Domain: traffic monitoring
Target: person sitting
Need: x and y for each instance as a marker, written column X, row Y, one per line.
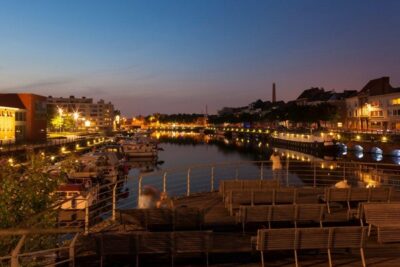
column 165, row 202
column 342, row 184
column 147, row 199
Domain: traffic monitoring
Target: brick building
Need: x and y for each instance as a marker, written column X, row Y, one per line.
column 23, row 117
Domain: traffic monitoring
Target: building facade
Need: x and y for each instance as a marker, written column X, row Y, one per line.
column 375, row 107
column 23, row 117
column 98, row 116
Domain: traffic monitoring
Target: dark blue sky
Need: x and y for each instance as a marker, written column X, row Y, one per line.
column 178, row 56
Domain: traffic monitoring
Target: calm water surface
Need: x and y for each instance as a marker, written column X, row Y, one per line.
column 182, row 150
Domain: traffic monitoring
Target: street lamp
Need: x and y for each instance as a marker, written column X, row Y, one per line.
column 87, row 124
column 60, row 113
column 76, row 118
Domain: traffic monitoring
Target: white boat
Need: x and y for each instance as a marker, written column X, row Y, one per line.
column 77, row 196
column 139, row 150
column 98, row 164
column 321, row 141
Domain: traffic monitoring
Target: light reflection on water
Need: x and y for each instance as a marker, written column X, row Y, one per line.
column 180, row 150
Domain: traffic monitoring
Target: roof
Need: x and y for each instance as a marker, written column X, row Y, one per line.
column 11, row 100
column 311, row 93
column 70, row 187
column 380, row 86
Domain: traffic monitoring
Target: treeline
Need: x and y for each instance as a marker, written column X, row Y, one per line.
column 291, row 112
column 175, row 118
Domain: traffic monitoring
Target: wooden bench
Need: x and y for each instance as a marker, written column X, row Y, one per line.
column 349, row 195
column 283, row 195
column 309, row 195
column 311, row 238
column 385, row 217
column 246, row 185
column 152, row 243
column 179, row 218
column 191, row 242
column 238, row 198
column 116, row 245
column 281, row 213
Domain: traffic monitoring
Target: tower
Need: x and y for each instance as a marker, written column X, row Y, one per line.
column 273, row 93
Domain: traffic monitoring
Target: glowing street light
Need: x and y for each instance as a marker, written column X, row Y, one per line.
column 76, row 115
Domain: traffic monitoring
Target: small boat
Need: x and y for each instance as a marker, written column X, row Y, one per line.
column 77, row 196
column 101, row 164
column 139, row 149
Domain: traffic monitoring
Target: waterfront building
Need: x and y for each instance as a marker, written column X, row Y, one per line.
column 86, row 113
column 375, row 107
column 23, row 117
column 316, row 96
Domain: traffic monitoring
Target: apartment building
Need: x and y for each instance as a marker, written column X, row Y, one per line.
column 375, row 107
column 23, row 117
column 89, row 114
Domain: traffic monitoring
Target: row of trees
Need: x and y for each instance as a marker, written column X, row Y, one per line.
column 65, row 122
column 304, row 114
column 174, row 118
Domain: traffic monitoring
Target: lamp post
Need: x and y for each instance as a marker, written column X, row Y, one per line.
column 76, row 118
column 60, row 113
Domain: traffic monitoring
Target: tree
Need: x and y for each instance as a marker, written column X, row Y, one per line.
column 69, row 123
column 57, row 122
column 26, row 198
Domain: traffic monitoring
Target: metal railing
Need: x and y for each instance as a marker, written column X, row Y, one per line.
column 183, row 182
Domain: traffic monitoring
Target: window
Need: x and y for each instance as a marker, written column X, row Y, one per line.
column 396, row 101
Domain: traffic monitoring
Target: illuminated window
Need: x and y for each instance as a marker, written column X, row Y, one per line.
column 396, row 101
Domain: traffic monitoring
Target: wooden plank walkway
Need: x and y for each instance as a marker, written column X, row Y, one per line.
column 216, row 213
column 235, row 249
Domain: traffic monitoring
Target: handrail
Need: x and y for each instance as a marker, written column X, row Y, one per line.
column 198, row 178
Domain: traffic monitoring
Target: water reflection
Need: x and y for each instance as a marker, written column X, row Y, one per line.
column 377, row 157
column 186, row 149
column 359, row 154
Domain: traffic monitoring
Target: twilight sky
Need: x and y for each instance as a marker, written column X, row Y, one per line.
column 173, row 56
